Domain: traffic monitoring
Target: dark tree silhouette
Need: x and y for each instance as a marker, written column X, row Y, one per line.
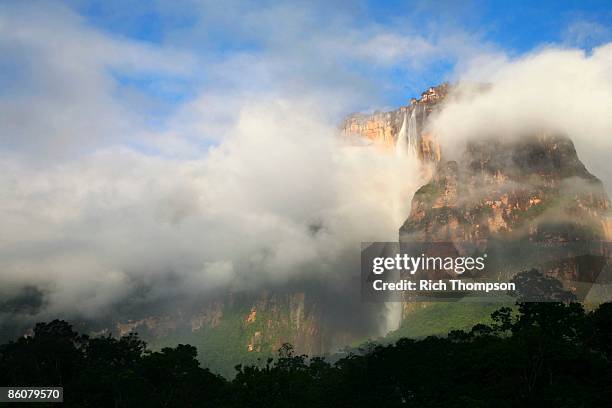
column 551, row 354
column 533, row 286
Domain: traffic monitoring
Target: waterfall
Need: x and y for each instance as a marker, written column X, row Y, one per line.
column 412, row 137
column 400, row 144
column 393, row 317
column 407, row 138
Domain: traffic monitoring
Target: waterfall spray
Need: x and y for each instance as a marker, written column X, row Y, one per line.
column 412, row 136
column 406, row 149
column 400, row 144
column 408, row 136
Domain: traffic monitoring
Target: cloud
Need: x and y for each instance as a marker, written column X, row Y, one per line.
column 278, row 201
column 586, row 34
column 59, row 94
column 563, row 90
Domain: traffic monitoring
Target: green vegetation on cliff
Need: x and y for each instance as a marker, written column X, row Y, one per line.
column 434, row 319
column 226, row 343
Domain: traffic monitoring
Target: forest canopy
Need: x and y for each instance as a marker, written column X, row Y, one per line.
column 537, row 354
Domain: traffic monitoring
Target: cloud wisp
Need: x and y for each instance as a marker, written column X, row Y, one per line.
column 553, row 89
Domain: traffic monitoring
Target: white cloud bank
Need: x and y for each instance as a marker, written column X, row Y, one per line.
column 277, row 200
column 563, row 90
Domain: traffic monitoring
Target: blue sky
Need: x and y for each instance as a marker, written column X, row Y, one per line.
column 141, row 67
column 515, row 27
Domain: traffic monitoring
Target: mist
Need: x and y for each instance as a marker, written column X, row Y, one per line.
column 280, row 200
column 557, row 90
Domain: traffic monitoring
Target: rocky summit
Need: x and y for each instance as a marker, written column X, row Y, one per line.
column 512, row 189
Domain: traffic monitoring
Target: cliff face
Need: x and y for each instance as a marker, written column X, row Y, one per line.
column 511, row 195
column 384, row 129
column 523, row 187
column 533, row 187
column 241, row 328
column 529, row 200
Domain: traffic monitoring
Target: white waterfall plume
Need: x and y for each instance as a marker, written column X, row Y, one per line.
column 400, row 144
column 393, row 317
column 412, row 135
column 407, row 138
